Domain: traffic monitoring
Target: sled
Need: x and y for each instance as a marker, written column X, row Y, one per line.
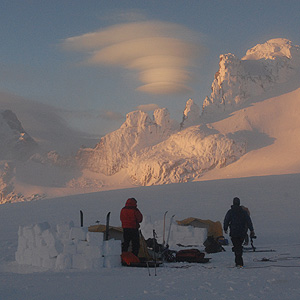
column 143, row 264
column 192, row 256
column 128, row 259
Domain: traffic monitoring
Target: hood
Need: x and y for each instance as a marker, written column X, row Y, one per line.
column 236, row 207
column 131, row 202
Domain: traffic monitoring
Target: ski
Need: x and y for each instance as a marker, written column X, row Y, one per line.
column 171, row 221
column 107, row 227
column 154, row 250
column 81, row 218
column 164, row 229
column 254, row 251
column 263, row 267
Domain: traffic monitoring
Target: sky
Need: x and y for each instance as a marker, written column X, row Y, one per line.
column 91, row 62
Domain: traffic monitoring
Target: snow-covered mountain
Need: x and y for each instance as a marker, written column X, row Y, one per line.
column 16, row 144
column 240, row 80
column 249, row 126
column 116, row 149
column 154, row 152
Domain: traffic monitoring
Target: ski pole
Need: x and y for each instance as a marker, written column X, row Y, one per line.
column 254, row 248
column 144, row 248
column 147, row 263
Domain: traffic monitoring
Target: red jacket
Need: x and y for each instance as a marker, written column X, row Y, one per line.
column 130, row 216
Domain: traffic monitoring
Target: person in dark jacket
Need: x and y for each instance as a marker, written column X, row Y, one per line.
column 131, row 218
column 238, row 220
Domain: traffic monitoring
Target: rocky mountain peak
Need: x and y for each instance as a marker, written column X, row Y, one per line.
column 16, row 143
column 239, row 80
column 191, row 114
column 273, row 49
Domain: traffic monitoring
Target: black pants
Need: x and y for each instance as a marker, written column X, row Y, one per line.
column 131, row 235
column 238, row 250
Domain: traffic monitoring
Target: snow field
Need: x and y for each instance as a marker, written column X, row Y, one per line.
column 65, row 247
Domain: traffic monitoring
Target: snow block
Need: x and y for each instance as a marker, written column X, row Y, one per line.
column 63, row 230
column 69, row 247
column 63, row 261
column 79, row 261
column 28, row 234
column 39, row 228
column 200, row 235
column 78, row 233
column 178, row 235
column 43, row 252
column 55, row 249
column 93, row 252
column 49, row 236
column 81, row 247
column 112, row 247
column 19, row 257
column 20, row 231
column 27, row 257
column 36, row 260
column 49, row 263
column 112, row 261
column 95, row 238
column 95, row 263
column 65, row 247
column 39, row 241
column 22, row 243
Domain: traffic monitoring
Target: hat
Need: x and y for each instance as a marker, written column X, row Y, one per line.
column 131, row 202
column 236, row 201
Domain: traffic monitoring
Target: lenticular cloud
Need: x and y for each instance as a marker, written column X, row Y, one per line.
column 162, row 53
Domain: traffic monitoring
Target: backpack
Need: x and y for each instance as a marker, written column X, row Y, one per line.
column 154, row 245
column 212, row 245
column 190, row 255
column 169, row 255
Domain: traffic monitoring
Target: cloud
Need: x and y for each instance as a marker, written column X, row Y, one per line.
column 132, row 15
column 111, row 115
column 162, row 53
column 93, row 114
column 147, row 107
column 46, row 124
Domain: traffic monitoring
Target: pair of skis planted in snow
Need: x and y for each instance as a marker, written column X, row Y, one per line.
column 106, row 226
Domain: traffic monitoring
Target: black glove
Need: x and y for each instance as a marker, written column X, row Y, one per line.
column 252, row 234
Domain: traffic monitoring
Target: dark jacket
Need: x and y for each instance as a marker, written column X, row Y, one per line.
column 238, row 220
column 130, row 216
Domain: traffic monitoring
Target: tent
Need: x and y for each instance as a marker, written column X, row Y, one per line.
column 213, row 228
column 113, row 233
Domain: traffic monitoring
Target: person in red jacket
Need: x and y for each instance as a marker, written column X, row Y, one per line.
column 131, row 218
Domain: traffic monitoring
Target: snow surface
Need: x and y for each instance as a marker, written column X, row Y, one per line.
column 272, row 200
